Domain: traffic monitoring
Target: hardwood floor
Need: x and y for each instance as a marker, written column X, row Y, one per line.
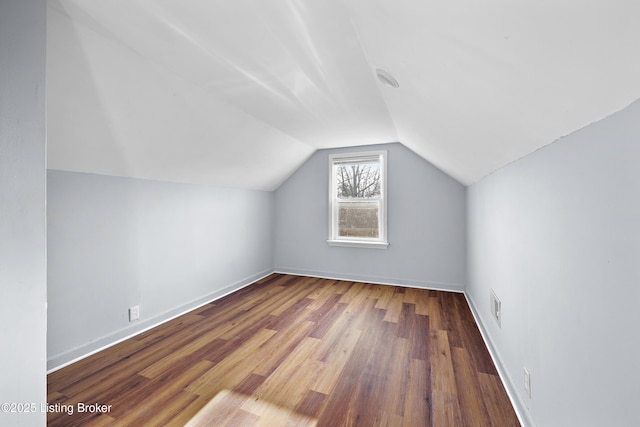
column 296, row 351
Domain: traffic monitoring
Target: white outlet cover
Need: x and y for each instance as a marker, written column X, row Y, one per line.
column 134, row 313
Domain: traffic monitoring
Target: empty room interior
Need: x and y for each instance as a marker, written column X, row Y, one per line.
column 329, row 213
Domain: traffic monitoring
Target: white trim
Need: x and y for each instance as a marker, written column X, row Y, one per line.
column 524, row 416
column 359, row 244
column 334, row 240
column 83, row 351
column 418, row 284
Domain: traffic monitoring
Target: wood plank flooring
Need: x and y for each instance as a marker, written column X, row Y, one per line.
column 295, row 351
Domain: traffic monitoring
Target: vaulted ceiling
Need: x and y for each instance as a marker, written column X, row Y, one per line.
column 240, row 93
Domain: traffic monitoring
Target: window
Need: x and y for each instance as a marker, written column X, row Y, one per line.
column 357, row 199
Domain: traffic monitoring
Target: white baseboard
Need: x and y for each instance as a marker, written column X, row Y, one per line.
column 68, row 357
column 436, row 286
column 516, row 400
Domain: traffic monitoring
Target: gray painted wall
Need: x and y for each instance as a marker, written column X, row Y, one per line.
column 426, row 211
column 23, row 309
column 118, row 242
column 557, row 235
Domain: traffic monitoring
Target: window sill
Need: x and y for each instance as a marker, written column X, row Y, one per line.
column 358, row 244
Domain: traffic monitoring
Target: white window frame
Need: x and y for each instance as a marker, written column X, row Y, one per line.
column 334, row 239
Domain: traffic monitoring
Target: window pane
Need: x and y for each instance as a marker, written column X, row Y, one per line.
column 358, row 180
column 358, row 219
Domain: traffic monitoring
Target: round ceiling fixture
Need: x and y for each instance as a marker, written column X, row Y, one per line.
column 387, row 78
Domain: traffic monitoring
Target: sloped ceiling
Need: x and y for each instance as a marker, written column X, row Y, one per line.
column 240, row 93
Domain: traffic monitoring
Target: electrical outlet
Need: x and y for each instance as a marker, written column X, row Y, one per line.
column 134, row 313
column 496, row 308
column 527, row 382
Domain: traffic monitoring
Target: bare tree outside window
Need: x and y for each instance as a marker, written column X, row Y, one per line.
column 361, row 180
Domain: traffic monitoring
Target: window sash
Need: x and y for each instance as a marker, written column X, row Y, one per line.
column 358, row 208
column 336, row 238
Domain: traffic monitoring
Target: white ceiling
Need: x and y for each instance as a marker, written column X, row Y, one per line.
column 240, row 93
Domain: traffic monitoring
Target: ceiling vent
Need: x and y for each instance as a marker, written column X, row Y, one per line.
column 387, row 78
